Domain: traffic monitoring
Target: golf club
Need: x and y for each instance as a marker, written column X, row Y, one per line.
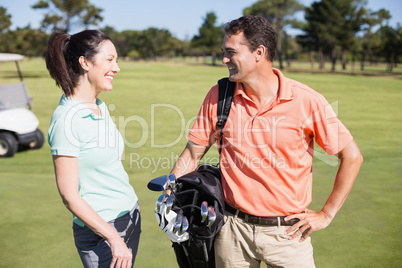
column 184, row 225
column 211, row 216
column 169, row 204
column 172, row 181
column 159, row 202
column 177, row 225
column 204, row 211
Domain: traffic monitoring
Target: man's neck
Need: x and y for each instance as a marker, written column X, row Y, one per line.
column 262, row 88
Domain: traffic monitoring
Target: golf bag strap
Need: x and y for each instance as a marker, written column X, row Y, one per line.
column 226, row 92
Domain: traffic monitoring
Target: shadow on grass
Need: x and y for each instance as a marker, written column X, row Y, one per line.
column 25, row 74
column 397, row 74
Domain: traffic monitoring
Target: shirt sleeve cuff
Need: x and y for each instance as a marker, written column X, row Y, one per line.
column 196, row 140
column 342, row 144
column 64, row 152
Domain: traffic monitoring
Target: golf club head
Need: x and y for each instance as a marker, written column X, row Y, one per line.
column 184, row 226
column 159, row 184
column 177, row 225
column 169, row 204
column 204, row 211
column 172, row 181
column 159, row 202
column 211, row 216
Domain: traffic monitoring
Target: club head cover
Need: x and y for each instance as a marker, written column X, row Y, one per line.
column 160, row 183
column 167, row 222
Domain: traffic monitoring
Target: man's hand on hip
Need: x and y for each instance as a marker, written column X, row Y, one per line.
column 310, row 221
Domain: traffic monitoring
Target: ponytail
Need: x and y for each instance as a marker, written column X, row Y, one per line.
column 56, row 62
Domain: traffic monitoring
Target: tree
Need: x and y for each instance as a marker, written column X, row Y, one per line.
column 315, row 25
column 290, row 48
column 383, row 15
column 332, row 25
column 158, row 42
column 370, row 41
column 5, row 20
column 278, row 12
column 25, row 41
column 353, row 14
column 151, row 43
column 210, row 37
column 65, row 15
column 391, row 42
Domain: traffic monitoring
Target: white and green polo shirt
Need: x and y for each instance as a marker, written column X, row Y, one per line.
column 103, row 183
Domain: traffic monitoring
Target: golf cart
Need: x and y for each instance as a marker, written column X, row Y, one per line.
column 18, row 124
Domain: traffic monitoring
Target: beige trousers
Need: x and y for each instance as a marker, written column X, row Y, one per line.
column 241, row 244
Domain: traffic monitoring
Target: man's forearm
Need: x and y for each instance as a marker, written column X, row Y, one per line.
column 312, row 221
column 184, row 165
column 189, row 159
column 351, row 160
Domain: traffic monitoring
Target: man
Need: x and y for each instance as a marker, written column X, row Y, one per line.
column 267, row 154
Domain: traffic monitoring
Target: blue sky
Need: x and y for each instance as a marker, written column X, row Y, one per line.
column 181, row 17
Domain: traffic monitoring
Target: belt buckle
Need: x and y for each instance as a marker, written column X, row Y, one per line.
column 246, row 218
column 259, row 220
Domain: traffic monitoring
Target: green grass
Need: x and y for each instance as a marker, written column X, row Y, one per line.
column 35, row 228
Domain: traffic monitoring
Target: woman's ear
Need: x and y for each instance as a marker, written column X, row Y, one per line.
column 84, row 63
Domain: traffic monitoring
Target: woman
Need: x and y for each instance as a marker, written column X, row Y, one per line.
column 86, row 148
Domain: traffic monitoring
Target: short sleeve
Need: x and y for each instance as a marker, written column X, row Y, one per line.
column 62, row 136
column 202, row 132
column 329, row 132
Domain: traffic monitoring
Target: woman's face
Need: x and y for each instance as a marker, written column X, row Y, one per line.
column 103, row 67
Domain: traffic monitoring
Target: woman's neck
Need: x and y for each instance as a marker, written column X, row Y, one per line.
column 87, row 98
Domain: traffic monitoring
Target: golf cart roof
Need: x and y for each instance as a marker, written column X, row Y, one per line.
column 10, row 57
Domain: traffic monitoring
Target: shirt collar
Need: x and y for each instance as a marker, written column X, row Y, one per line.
column 82, row 110
column 285, row 87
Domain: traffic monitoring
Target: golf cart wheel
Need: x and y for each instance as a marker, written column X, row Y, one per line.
column 39, row 140
column 8, row 144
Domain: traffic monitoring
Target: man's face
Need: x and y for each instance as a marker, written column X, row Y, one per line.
column 238, row 57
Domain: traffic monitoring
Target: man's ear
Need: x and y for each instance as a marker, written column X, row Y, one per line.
column 260, row 52
column 84, row 63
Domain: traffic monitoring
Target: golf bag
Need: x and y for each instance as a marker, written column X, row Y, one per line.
column 192, row 189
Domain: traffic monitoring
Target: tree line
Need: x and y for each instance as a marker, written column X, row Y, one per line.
column 344, row 31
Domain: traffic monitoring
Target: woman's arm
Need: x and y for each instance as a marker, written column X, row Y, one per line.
column 66, row 171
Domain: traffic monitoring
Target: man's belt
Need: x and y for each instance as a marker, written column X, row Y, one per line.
column 269, row 221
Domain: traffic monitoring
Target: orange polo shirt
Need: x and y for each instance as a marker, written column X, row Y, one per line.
column 267, row 154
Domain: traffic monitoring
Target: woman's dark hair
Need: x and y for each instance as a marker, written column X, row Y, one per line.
column 257, row 31
column 63, row 53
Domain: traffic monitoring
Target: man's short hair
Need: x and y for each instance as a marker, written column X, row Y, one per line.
column 257, row 31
